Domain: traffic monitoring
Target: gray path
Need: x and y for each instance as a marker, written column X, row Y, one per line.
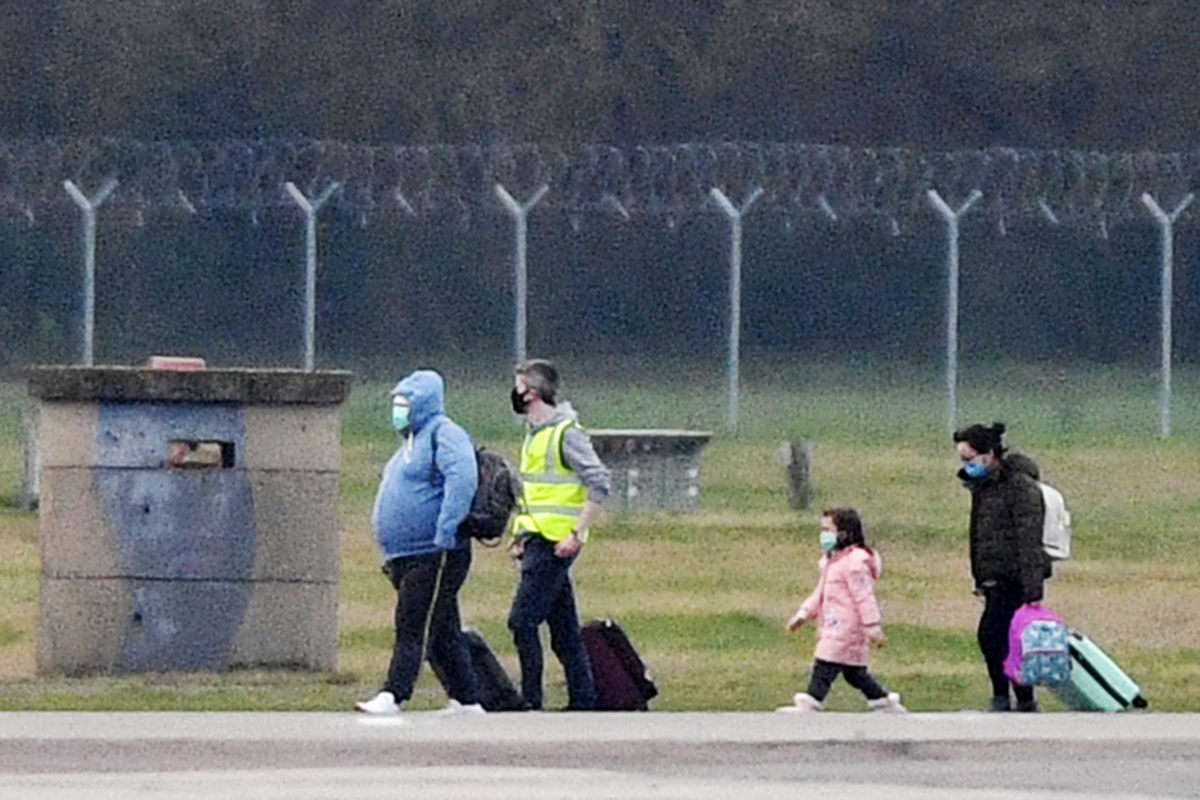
column 206, row 756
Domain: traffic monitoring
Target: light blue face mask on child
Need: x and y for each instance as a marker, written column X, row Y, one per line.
column 828, row 540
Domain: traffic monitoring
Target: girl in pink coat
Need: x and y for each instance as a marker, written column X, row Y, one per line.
column 849, row 622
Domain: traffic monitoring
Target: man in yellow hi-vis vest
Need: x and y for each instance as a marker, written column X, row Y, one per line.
column 564, row 485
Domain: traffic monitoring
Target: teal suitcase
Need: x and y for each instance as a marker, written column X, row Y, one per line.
column 1096, row 683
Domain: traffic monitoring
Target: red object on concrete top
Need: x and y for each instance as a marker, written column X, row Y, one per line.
column 177, row 363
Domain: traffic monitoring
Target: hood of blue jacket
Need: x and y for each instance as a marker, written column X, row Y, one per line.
column 427, row 485
column 426, row 392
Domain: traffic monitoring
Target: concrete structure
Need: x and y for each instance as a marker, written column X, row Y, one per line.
column 188, row 519
column 652, row 470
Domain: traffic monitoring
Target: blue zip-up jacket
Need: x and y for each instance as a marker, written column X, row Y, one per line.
column 419, row 507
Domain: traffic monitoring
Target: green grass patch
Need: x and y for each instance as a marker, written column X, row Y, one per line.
column 724, row 632
column 236, row 691
column 10, row 635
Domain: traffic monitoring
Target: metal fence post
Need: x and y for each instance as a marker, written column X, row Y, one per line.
column 520, row 214
column 88, row 206
column 310, row 209
column 952, row 217
column 1166, row 223
column 735, row 216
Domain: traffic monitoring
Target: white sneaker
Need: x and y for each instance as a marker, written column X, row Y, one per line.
column 457, row 709
column 802, row 703
column 381, row 704
column 887, row 705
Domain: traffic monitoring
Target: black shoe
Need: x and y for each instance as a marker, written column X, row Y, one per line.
column 1028, row 706
column 1000, row 703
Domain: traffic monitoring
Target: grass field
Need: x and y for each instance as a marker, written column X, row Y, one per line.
column 705, row 595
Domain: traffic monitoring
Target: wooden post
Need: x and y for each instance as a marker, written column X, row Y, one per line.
column 799, row 463
column 31, row 466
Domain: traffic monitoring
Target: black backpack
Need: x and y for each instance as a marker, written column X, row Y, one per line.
column 496, row 498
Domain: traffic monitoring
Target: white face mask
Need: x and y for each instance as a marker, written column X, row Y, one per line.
column 828, row 540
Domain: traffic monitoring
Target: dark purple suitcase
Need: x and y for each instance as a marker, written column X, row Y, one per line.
column 622, row 681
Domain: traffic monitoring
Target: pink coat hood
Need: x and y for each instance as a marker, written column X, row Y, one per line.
column 843, row 604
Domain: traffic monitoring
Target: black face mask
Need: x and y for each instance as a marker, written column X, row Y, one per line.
column 519, row 403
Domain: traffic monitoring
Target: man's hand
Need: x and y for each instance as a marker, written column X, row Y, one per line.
column 568, row 546
column 516, row 549
column 798, row 619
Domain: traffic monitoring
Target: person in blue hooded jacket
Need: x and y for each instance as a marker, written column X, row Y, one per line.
column 423, row 496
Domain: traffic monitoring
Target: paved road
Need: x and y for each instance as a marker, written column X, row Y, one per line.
column 659, row 756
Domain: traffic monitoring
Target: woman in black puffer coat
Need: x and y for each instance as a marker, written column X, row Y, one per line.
column 1008, row 562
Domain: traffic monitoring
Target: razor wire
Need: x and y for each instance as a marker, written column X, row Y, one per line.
column 799, row 183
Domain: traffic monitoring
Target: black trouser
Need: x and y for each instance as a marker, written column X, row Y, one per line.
column 446, row 644
column 1000, row 601
column 824, row 673
column 427, row 605
column 545, row 595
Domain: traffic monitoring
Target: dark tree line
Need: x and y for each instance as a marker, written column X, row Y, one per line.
column 916, row 73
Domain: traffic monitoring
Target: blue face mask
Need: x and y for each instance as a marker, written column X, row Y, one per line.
column 828, row 540
column 974, row 470
column 400, row 413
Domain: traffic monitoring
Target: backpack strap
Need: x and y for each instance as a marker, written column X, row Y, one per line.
column 433, row 470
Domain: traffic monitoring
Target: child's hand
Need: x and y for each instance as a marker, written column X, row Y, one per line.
column 875, row 636
column 796, row 621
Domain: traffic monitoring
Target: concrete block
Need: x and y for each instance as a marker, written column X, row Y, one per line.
column 237, row 386
column 652, row 470
column 80, row 622
column 77, row 539
column 293, row 437
column 289, row 625
column 142, row 435
column 68, row 433
column 178, row 524
column 296, row 529
column 93, row 626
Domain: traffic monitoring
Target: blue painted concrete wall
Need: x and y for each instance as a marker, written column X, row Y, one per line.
column 185, row 538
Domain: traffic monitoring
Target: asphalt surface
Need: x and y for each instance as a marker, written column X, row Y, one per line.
column 306, row 756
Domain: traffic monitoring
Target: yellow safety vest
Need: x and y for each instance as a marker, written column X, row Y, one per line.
column 553, row 494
